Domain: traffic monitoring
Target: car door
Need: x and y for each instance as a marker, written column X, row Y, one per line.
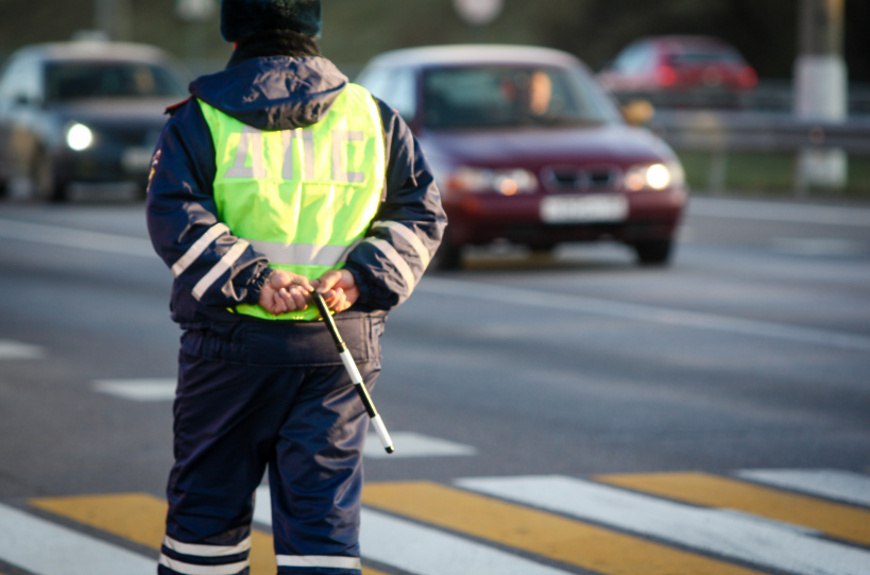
column 20, row 103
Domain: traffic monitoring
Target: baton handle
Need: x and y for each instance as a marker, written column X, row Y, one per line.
column 353, row 371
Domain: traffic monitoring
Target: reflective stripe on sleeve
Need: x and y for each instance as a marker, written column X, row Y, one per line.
column 397, row 260
column 409, row 236
column 332, row 561
column 193, row 569
column 198, row 247
column 225, row 264
column 207, row 550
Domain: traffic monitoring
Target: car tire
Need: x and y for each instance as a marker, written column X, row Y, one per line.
column 654, row 252
column 447, row 258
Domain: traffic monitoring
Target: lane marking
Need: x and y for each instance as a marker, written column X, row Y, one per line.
column 424, row 528
column 557, row 538
column 815, row 247
column 642, row 313
column 142, row 389
column 426, row 551
column 75, row 238
column 410, row 444
column 43, row 548
column 780, row 212
column 137, row 517
column 422, row 550
column 140, row 518
column 127, row 245
column 723, row 533
column 834, row 519
column 831, row 483
column 10, row 349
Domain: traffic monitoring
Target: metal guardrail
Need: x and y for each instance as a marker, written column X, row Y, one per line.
column 725, row 134
column 715, row 131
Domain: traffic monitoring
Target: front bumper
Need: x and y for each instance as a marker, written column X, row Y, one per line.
column 477, row 219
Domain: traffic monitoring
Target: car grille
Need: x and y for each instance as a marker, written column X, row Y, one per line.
column 133, row 135
column 574, row 179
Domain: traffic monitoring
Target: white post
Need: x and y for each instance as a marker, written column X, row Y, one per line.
column 821, row 88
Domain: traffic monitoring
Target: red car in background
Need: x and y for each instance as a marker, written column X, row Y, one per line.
column 680, row 71
column 527, row 148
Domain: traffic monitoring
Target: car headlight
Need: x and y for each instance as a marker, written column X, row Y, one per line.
column 508, row 182
column 79, row 137
column 656, row 176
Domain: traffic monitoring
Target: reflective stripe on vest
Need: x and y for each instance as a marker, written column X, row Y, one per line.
column 301, row 197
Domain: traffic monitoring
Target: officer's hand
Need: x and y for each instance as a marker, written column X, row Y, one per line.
column 285, row 292
column 338, row 289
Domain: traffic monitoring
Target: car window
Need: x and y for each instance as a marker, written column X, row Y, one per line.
column 464, row 97
column 20, row 80
column 393, row 85
column 634, row 60
column 702, row 57
column 76, row 80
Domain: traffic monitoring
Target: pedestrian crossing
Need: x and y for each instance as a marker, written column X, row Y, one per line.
column 793, row 521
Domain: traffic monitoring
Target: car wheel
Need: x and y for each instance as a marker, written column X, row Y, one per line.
column 43, row 183
column 447, row 258
column 653, row 252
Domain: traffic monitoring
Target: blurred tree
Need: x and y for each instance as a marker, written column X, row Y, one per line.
column 764, row 30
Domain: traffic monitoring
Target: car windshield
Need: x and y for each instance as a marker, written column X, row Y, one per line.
column 510, row 96
column 77, row 80
column 700, row 57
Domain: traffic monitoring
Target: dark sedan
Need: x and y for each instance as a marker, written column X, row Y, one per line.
column 527, row 148
column 82, row 114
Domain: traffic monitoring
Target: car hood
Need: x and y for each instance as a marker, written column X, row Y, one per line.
column 115, row 111
column 604, row 144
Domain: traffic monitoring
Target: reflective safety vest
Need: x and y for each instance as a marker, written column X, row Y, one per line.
column 301, row 197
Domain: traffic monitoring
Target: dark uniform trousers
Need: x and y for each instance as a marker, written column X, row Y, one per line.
column 258, row 394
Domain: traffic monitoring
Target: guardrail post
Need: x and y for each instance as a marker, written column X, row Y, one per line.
column 718, row 171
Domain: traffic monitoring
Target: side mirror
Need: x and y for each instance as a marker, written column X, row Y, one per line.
column 638, row 112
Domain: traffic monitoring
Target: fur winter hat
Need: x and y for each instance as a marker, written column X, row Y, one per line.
column 242, row 19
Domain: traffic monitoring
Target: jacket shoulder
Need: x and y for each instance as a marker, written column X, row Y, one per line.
column 173, row 108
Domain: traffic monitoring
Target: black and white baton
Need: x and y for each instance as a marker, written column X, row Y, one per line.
column 353, row 371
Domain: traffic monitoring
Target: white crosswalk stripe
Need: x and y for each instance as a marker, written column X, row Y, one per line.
column 832, row 483
column 423, row 550
column 426, row 551
column 417, row 543
column 725, row 533
column 44, row 548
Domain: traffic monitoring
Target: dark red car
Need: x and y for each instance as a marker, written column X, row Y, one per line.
column 527, row 148
column 681, row 71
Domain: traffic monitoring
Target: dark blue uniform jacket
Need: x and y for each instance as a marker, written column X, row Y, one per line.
column 276, row 93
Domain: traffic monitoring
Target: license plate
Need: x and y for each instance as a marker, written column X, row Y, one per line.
column 580, row 209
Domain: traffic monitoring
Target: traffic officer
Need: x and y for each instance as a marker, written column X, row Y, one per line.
column 277, row 177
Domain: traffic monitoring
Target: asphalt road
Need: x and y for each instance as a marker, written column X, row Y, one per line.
column 751, row 352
